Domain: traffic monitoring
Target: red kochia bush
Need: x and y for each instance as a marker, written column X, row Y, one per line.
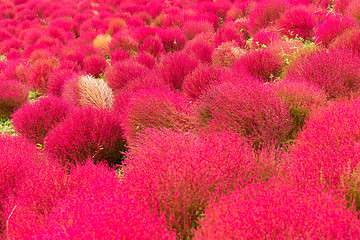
column 297, row 22
column 120, row 73
column 192, row 28
column 229, row 33
column 335, row 71
column 332, row 27
column 152, row 45
column 200, row 48
column 175, row 66
column 266, row 13
column 264, row 38
column 94, row 192
column 262, row 64
column 39, row 73
column 328, row 146
column 26, row 177
column 123, row 40
column 87, row 133
column 172, row 39
column 155, row 108
column 178, row 173
column 12, row 95
column 248, row 107
column 201, row 78
column 269, row 211
column 35, row 120
column 94, row 65
column 348, row 41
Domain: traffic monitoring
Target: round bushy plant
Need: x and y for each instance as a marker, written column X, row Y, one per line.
column 35, row 120
column 87, row 133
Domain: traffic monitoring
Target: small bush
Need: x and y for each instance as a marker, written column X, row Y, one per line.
column 302, row 99
column 174, row 68
column 266, row 13
column 155, row 108
column 297, row 22
column 178, row 174
column 227, row 54
column 263, row 211
column 87, row 133
column 94, row 65
column 331, row 28
column 172, row 39
column 35, row 120
column 120, row 73
column 88, row 91
column 337, row 71
column 12, row 95
column 247, row 107
column 192, row 28
column 200, row 79
column 94, row 190
column 261, row 64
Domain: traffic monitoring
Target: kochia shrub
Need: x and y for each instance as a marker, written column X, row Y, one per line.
column 178, row 173
column 266, row 13
column 12, row 95
column 247, row 107
column 335, row 71
column 262, row 64
column 175, row 66
column 297, row 22
column 94, row 65
column 87, row 133
column 120, row 73
column 155, row 108
column 273, row 211
column 35, row 120
column 95, row 190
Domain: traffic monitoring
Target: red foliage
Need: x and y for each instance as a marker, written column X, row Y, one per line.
column 200, row 79
column 337, row 71
column 245, row 106
column 192, row 28
column 109, row 214
column 262, row 64
column 123, row 40
column 331, row 28
column 179, row 173
column 146, row 59
column 353, row 10
column 94, row 65
column 175, row 66
column 87, row 133
column 57, row 79
column 120, row 73
column 273, row 211
column 328, row 147
column 118, row 55
column 155, row 108
column 200, row 48
column 348, row 41
column 172, row 39
column 229, row 33
column 264, row 38
column 35, row 120
column 266, row 13
column 12, row 95
column 39, row 73
column 20, row 165
column 297, row 22
column 152, row 45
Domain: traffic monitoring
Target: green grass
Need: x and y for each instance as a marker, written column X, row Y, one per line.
column 6, row 126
